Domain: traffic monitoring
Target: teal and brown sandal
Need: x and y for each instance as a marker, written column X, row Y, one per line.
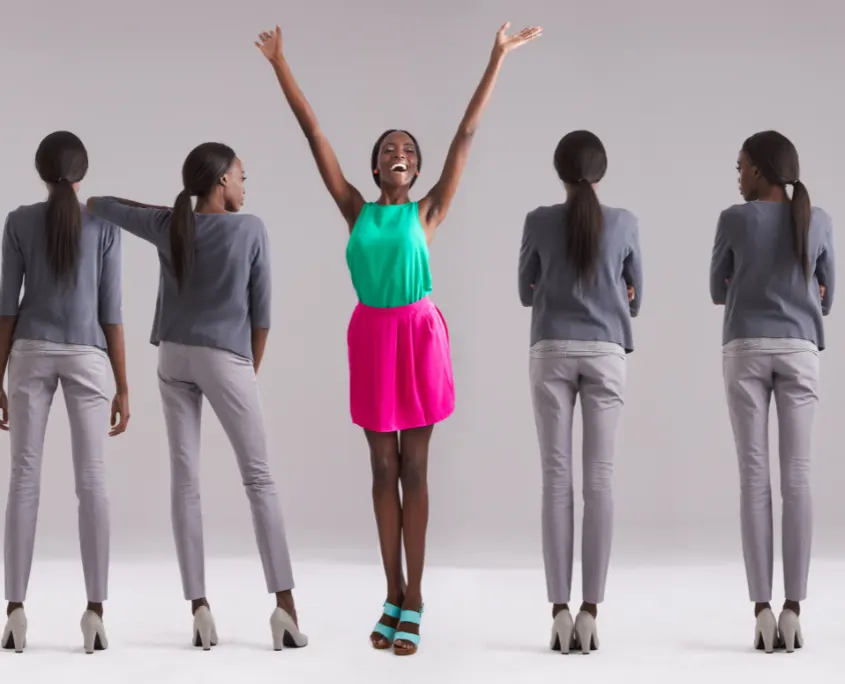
column 406, row 643
column 384, row 631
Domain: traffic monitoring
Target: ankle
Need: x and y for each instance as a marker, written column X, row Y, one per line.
column 590, row 608
column 413, row 599
column 12, row 607
column 760, row 607
column 96, row 608
column 284, row 600
column 794, row 606
column 558, row 608
column 196, row 604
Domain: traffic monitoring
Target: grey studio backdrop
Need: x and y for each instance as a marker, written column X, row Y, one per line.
column 672, row 87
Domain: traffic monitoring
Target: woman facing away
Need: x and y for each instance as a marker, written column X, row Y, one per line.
column 773, row 269
column 580, row 271
column 399, row 361
column 67, row 329
column 211, row 325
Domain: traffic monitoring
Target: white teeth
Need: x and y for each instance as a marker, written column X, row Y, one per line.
column 398, row 167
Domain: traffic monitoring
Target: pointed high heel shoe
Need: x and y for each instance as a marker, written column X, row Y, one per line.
column 563, row 631
column 205, row 631
column 586, row 634
column 789, row 631
column 93, row 632
column 285, row 631
column 14, row 633
column 766, row 631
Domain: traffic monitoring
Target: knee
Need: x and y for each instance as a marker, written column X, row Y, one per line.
column 795, row 479
column 598, row 480
column 385, row 470
column 414, row 475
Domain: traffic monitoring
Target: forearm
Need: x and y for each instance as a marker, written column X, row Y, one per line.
column 125, row 202
column 7, row 331
column 259, row 343
column 295, row 98
column 472, row 116
column 117, row 356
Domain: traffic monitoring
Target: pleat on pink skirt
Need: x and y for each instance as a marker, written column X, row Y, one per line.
column 400, row 368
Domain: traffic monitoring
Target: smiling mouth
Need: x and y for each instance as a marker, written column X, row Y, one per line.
column 399, row 167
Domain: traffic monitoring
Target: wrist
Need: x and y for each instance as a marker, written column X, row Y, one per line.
column 122, row 388
column 277, row 62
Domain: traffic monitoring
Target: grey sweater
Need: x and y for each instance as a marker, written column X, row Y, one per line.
column 755, row 274
column 228, row 291
column 49, row 311
column 563, row 310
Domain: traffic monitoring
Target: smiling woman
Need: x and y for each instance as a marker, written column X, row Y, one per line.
column 400, row 369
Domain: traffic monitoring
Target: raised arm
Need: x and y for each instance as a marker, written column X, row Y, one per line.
column 434, row 206
column 529, row 266
column 345, row 195
column 826, row 269
column 145, row 221
column 721, row 262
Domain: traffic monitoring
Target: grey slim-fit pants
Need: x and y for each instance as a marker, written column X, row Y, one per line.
column 228, row 381
column 558, row 377
column 751, row 378
column 35, row 371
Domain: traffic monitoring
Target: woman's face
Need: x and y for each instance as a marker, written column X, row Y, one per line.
column 397, row 160
column 233, row 186
column 749, row 178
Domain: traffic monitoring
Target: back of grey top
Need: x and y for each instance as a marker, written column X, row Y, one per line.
column 563, row 309
column 756, row 274
column 227, row 292
column 65, row 313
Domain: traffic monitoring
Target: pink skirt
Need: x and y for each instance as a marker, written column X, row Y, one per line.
column 400, row 368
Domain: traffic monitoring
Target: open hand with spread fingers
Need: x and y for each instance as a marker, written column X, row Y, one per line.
column 505, row 43
column 270, row 43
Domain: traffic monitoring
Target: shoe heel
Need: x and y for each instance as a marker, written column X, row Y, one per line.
column 285, row 632
column 93, row 632
column 563, row 630
column 765, row 633
column 586, row 634
column 14, row 633
column 789, row 628
column 205, row 632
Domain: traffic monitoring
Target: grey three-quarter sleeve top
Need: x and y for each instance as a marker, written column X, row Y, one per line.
column 227, row 293
column 754, row 272
column 561, row 308
column 69, row 312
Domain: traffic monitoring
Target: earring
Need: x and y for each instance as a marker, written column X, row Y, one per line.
column 375, row 170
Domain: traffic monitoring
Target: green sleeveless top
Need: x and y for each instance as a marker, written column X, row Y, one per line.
column 387, row 255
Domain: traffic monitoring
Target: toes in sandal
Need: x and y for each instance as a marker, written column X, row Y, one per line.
column 388, row 633
column 410, row 640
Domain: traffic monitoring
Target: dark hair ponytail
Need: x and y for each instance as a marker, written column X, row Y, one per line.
column 581, row 161
column 801, row 214
column 183, row 226
column 776, row 158
column 202, row 171
column 584, row 228
column 61, row 161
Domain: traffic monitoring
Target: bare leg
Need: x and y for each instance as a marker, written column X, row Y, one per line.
column 384, row 459
column 414, row 476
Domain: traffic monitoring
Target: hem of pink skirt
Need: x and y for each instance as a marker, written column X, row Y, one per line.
column 397, row 427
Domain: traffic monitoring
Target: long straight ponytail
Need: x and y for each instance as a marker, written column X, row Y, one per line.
column 62, row 161
column 581, row 162
column 182, row 233
column 584, row 229
column 801, row 214
column 64, row 227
